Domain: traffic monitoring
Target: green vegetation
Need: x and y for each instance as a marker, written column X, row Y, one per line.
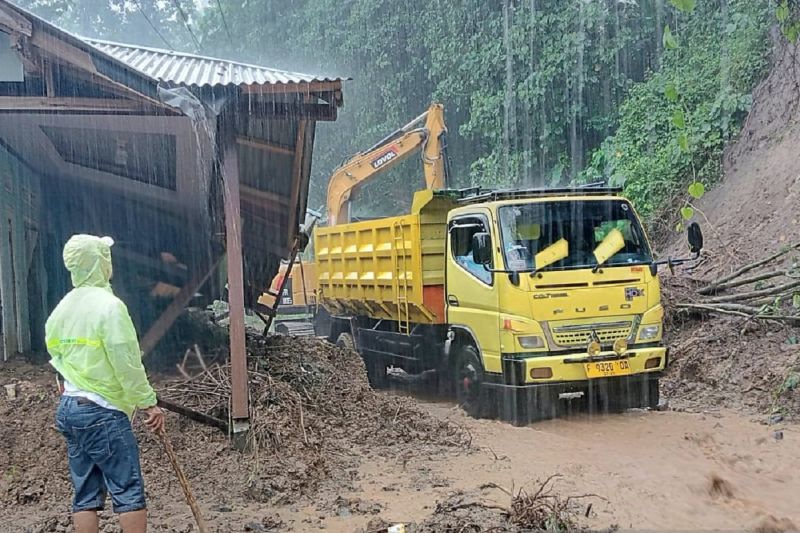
column 127, row 21
column 673, row 126
column 537, row 93
column 530, row 87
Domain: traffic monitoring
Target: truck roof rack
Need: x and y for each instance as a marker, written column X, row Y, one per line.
column 477, row 194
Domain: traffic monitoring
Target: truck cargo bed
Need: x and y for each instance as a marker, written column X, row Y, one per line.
column 389, row 268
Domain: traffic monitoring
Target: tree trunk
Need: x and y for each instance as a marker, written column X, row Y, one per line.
column 532, row 106
column 509, row 125
column 576, row 134
column 659, row 29
column 605, row 74
column 618, row 47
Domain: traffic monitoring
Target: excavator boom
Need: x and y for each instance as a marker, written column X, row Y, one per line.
column 425, row 133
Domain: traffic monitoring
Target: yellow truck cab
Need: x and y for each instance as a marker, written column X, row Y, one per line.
column 523, row 301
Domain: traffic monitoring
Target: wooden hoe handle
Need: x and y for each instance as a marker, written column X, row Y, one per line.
column 187, row 490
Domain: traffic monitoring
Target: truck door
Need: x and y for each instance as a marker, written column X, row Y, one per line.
column 471, row 296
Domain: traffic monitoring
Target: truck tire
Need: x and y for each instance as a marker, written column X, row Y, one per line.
column 468, row 383
column 345, row 340
column 652, row 394
column 376, row 371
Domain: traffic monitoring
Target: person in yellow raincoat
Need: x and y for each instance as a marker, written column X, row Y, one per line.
column 93, row 346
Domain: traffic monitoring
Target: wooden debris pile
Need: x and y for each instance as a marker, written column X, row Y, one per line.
column 311, row 408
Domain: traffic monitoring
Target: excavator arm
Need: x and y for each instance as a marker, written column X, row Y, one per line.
column 388, row 152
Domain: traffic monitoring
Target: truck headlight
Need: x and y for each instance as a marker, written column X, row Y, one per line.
column 530, row 342
column 649, row 332
column 620, row 346
column 593, row 348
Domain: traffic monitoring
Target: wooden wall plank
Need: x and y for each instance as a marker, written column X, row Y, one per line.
column 6, row 278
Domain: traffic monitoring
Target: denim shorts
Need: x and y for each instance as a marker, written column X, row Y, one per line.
column 103, row 456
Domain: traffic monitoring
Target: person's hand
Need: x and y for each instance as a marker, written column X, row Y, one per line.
column 155, row 419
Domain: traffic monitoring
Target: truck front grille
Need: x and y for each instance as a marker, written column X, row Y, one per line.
column 579, row 335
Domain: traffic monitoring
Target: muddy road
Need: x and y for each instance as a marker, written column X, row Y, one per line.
column 651, row 470
column 670, row 470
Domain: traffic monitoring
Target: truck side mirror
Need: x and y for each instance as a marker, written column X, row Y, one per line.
column 695, row 237
column 482, row 248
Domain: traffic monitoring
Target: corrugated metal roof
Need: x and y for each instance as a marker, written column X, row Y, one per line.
column 180, row 68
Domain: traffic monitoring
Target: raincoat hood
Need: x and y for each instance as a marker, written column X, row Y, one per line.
column 88, row 259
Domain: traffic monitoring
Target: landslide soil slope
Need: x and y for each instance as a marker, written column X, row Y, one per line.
column 752, row 213
column 755, row 208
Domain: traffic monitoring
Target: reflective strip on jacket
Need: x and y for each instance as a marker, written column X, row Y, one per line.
column 90, row 336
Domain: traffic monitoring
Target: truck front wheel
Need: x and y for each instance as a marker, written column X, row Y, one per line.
column 468, row 382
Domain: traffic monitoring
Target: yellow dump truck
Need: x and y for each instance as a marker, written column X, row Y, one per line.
column 520, row 300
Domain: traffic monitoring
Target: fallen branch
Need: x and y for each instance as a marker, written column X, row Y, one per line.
column 719, row 309
column 466, row 505
column 744, row 311
column 771, row 299
column 752, row 266
column 302, row 421
column 788, row 319
column 716, row 288
column 755, row 294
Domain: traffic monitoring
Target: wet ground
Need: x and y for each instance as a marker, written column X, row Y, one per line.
column 650, row 470
column 714, row 470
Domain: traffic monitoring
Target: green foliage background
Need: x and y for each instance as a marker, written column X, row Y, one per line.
column 721, row 55
column 537, row 92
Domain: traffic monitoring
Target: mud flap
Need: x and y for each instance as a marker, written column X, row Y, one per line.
column 523, row 405
column 631, row 392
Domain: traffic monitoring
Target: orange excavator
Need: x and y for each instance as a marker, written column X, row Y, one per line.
column 290, row 302
column 426, row 134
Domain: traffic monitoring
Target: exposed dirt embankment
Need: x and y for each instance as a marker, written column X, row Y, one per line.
column 754, row 212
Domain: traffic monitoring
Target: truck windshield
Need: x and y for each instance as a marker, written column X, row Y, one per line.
column 527, row 229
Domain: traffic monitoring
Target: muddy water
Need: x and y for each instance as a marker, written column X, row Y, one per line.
column 650, row 470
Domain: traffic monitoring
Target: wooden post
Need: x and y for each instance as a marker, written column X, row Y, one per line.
column 6, row 284
column 240, row 411
column 297, row 178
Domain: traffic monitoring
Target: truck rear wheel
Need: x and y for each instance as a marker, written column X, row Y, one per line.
column 468, row 383
column 345, row 340
column 376, row 370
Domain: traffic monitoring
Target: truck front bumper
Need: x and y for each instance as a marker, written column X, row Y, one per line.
column 520, row 399
column 521, row 370
column 521, row 404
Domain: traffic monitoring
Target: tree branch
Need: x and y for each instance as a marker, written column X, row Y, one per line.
column 714, row 288
column 755, row 294
column 751, row 266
